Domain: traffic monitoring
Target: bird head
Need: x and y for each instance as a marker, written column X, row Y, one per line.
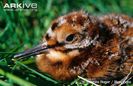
column 75, row 31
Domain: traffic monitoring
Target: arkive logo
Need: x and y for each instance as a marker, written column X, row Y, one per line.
column 20, row 6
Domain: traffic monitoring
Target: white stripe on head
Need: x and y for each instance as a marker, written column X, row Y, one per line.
column 61, row 21
column 50, row 31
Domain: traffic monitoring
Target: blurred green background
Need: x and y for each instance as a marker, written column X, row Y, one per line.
column 20, row 30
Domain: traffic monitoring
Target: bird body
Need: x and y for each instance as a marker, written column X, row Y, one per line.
column 98, row 48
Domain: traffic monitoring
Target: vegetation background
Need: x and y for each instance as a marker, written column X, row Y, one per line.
column 20, row 30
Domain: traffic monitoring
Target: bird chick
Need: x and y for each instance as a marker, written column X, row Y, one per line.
column 98, row 48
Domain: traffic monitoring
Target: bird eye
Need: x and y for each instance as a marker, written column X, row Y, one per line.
column 70, row 38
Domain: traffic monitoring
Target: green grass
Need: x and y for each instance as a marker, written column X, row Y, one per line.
column 20, row 30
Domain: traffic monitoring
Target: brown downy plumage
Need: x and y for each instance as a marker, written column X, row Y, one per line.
column 98, row 48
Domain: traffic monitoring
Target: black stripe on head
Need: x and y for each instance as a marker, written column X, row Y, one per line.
column 54, row 25
column 47, row 37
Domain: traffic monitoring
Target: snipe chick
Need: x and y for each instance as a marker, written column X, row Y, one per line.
column 98, row 48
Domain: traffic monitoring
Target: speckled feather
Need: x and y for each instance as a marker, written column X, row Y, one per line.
column 102, row 47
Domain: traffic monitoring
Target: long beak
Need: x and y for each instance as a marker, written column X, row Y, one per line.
column 34, row 51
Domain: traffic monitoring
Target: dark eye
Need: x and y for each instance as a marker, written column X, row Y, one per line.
column 70, row 38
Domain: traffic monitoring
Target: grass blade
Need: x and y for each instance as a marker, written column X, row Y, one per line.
column 15, row 79
column 35, row 72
